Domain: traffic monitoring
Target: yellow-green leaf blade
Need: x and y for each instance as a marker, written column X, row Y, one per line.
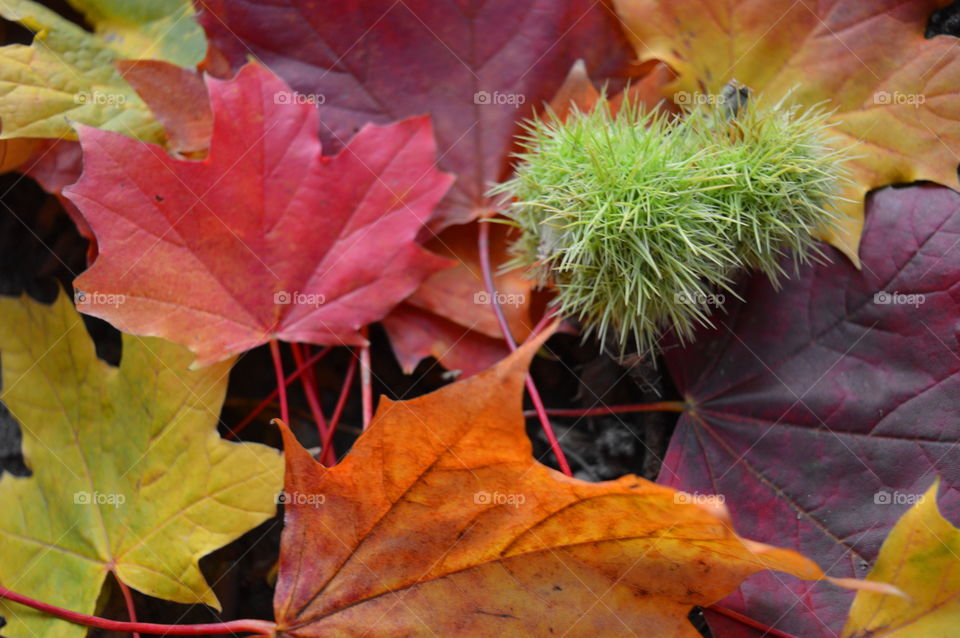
column 921, row 556
column 129, row 473
column 66, row 75
column 148, row 29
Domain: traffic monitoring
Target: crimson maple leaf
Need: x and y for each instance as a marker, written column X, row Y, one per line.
column 265, row 238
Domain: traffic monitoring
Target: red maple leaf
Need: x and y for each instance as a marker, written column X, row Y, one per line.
column 478, row 68
column 265, row 238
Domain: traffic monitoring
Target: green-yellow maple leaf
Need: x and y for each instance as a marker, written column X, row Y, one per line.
column 129, row 473
column 68, row 74
column 921, row 556
column 148, row 29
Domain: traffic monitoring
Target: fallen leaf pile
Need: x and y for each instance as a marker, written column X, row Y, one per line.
column 241, row 174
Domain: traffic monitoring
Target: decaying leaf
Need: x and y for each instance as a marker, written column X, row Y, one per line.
column 264, row 238
column 921, row 556
column 895, row 91
column 440, row 522
column 130, row 476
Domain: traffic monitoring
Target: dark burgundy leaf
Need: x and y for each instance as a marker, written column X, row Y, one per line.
column 812, row 406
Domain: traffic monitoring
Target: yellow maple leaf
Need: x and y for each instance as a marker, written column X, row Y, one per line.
column 895, row 91
column 130, row 476
column 921, row 556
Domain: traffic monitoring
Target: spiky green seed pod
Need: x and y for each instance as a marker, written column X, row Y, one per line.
column 779, row 173
column 638, row 219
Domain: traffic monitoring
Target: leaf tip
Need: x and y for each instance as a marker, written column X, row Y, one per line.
column 869, row 585
column 295, row 455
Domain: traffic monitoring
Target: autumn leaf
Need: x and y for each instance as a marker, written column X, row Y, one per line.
column 130, row 477
column 66, row 75
column 177, row 97
column 263, row 239
column 478, row 70
column 440, row 522
column 147, row 29
column 921, row 556
column 451, row 316
column 458, row 293
column 416, row 334
column 578, row 92
column 894, row 91
column 15, row 152
column 853, row 377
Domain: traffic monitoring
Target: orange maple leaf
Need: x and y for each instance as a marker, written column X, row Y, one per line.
column 440, row 522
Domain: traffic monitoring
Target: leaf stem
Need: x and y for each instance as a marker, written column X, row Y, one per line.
column 659, row 406
column 328, row 454
column 232, row 434
column 281, row 386
column 249, row 626
column 541, row 413
column 483, row 245
column 545, row 321
column 750, row 622
column 128, row 598
column 366, row 387
column 307, row 380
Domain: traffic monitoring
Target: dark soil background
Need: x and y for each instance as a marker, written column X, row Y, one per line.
column 40, row 251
